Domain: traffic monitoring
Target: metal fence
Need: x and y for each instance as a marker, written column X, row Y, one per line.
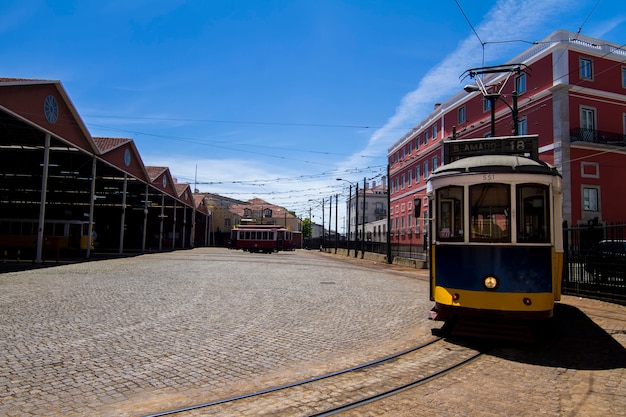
column 594, row 264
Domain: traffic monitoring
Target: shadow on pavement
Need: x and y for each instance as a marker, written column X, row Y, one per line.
column 569, row 340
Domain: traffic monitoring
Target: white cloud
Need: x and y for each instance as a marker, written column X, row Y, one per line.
column 508, row 20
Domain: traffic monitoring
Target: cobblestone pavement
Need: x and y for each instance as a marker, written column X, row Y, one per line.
column 134, row 336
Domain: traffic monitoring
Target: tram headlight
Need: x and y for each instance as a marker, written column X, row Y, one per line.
column 490, row 282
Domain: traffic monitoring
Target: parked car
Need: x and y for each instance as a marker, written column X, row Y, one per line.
column 608, row 260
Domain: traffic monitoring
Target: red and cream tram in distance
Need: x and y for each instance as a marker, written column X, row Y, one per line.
column 266, row 238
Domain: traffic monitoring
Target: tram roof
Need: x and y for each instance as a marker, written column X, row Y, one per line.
column 496, row 163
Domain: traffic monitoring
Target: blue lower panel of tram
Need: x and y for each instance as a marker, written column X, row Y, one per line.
column 526, row 269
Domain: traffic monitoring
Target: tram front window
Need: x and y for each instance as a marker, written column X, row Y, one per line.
column 450, row 214
column 533, row 221
column 490, row 210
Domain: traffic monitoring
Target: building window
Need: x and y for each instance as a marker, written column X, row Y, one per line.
column 587, row 118
column 435, row 163
column 486, row 104
column 461, row 114
column 590, row 199
column 410, row 148
column 403, row 181
column 426, row 138
column 417, row 174
column 624, row 77
column 435, row 131
column 403, row 153
column 520, row 84
column 417, row 143
column 588, row 131
column 425, row 169
column 586, row 69
column 410, row 177
column 522, row 126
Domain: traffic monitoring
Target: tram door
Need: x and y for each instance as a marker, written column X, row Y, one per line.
column 75, row 233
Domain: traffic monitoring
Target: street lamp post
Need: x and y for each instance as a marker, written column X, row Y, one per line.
column 356, row 216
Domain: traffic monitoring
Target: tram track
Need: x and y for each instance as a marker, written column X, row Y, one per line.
column 343, row 390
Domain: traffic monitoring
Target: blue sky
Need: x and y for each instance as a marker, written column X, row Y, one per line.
column 274, row 99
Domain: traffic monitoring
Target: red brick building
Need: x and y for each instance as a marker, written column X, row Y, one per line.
column 571, row 91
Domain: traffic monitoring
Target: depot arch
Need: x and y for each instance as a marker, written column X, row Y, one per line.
column 62, row 190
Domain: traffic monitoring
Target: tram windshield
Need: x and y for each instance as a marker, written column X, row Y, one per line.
column 533, row 220
column 450, row 214
column 490, row 215
column 490, row 209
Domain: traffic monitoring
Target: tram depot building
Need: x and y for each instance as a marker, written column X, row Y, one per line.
column 54, row 173
column 571, row 92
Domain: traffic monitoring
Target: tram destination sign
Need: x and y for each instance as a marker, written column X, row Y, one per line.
column 527, row 145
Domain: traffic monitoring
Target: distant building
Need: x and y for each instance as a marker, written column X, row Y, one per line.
column 258, row 211
column 372, row 207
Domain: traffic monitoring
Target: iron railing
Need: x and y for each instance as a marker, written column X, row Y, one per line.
column 594, row 263
column 597, row 136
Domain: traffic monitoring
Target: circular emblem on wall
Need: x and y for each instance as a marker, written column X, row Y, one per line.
column 51, row 109
column 127, row 157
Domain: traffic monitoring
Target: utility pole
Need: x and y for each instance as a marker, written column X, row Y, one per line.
column 363, row 231
column 389, row 260
column 336, row 224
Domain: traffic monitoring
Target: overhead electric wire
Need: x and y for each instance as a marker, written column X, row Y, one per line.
column 244, row 150
column 171, row 119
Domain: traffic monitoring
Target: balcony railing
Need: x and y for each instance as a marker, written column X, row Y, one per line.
column 597, row 136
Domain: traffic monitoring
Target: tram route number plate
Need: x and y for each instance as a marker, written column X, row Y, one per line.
column 509, row 145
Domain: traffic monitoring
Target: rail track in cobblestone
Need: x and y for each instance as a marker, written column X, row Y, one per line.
column 350, row 388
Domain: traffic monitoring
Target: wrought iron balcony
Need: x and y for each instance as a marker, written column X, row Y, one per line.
column 597, row 136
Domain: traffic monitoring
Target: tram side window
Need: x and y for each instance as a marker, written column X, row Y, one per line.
column 533, row 220
column 450, row 214
column 490, row 206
